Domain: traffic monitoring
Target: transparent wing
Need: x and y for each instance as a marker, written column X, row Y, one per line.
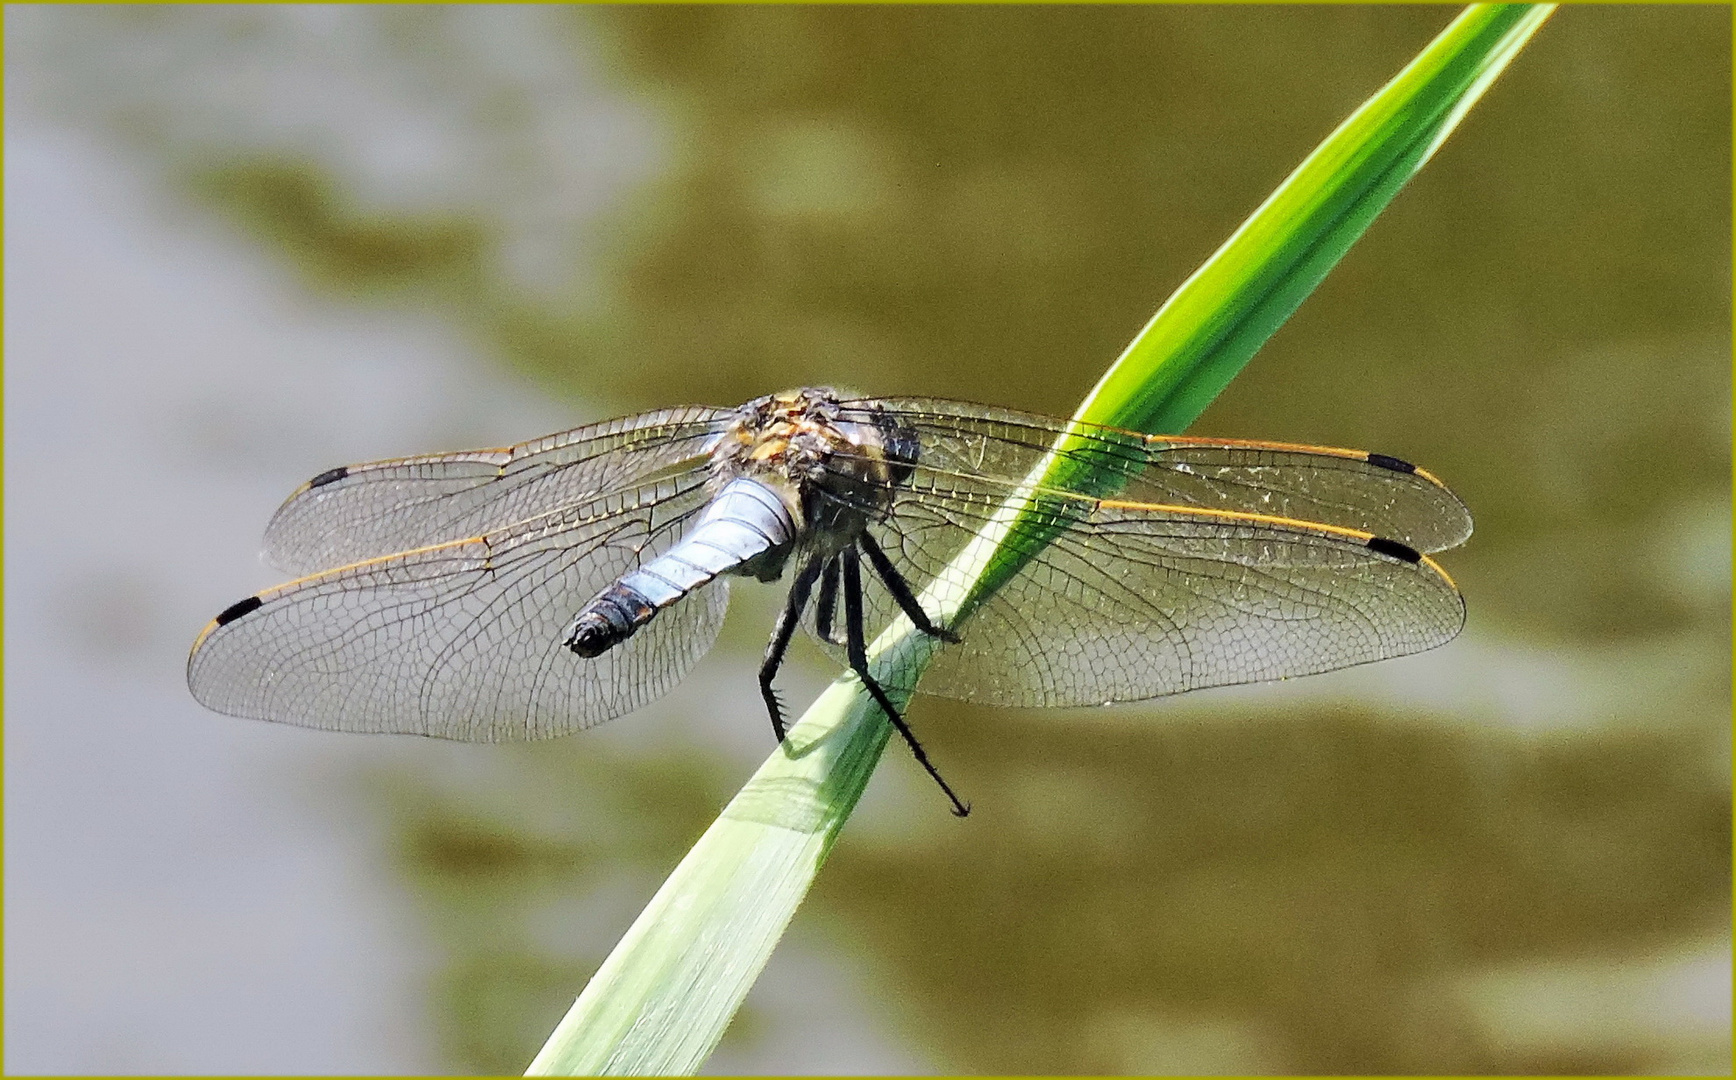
column 365, row 511
column 979, row 448
column 462, row 640
column 1129, row 604
column 1202, row 570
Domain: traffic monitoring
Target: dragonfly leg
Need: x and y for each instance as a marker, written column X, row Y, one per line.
column 826, row 606
column 900, row 590
column 786, row 625
column 857, row 647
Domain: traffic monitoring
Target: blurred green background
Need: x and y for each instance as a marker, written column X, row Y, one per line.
column 1499, row 858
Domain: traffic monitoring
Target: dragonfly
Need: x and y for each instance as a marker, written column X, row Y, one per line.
column 531, row 591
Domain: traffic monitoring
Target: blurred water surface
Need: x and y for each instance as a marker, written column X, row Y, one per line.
column 246, row 243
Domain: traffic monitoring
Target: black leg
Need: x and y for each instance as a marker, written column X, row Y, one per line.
column 827, row 603
column 857, row 646
column 786, row 625
column 900, row 590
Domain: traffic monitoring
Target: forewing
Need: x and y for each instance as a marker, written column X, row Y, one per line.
column 1134, row 603
column 463, row 640
column 365, row 511
column 980, row 448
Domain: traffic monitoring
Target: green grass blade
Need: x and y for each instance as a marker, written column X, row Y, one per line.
column 662, row 1000
column 1209, row 328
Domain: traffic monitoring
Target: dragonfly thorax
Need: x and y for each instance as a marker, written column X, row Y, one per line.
column 835, row 474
